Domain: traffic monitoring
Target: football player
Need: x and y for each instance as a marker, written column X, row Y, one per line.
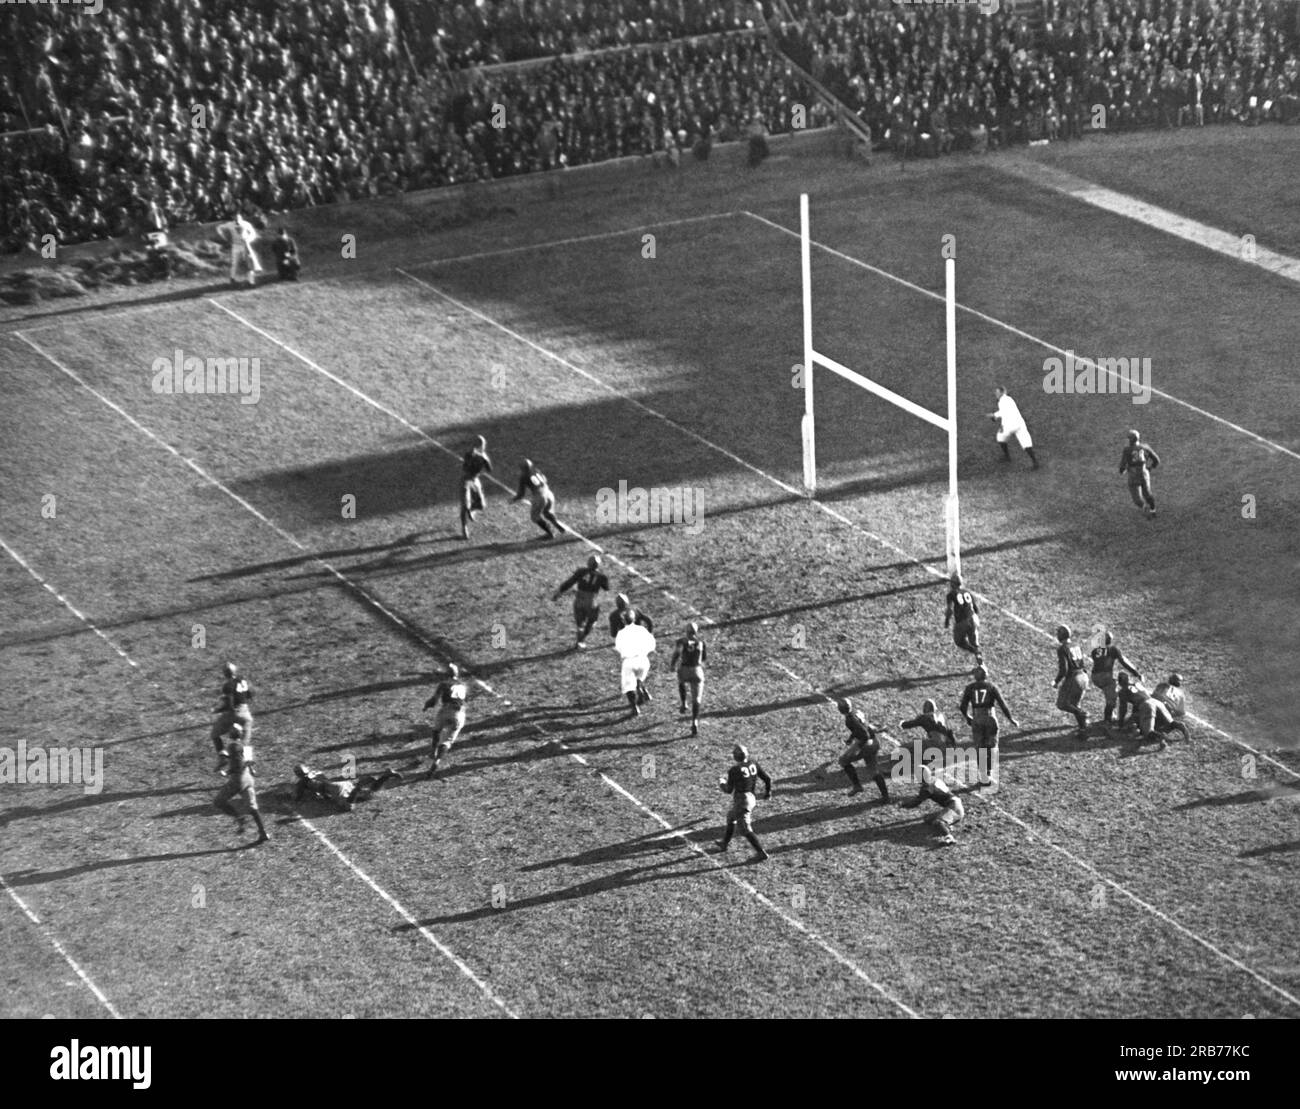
column 448, row 703
column 1011, row 425
column 533, row 484
column 979, row 702
column 1138, row 460
column 691, row 650
column 1170, row 694
column 861, row 744
column 741, row 781
column 962, row 607
column 1071, row 679
column 234, row 708
column 634, row 644
column 587, row 582
column 932, row 721
column 473, row 464
column 344, row 793
column 1104, row 660
column 951, row 811
column 1152, row 717
column 625, row 614
column 239, row 762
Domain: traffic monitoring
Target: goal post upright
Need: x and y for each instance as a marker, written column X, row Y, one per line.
column 948, row 422
column 808, row 429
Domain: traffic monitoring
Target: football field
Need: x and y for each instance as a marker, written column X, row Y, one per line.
column 563, row 863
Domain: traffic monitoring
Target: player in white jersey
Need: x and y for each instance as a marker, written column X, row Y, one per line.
column 634, row 644
column 1011, row 425
column 448, row 703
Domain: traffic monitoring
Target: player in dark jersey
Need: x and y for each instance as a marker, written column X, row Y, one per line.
column 625, row 614
column 692, row 652
column 234, row 708
column 741, row 781
column 239, row 763
column 1152, row 716
column 343, row 793
column 932, row 721
column 1105, row 657
column 448, row 703
column 979, row 702
column 473, row 464
column 962, row 608
column 951, row 811
column 861, row 744
column 1138, row 460
column 534, row 486
column 587, row 582
column 1071, row 679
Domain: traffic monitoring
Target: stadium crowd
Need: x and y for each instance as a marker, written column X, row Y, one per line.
column 210, row 108
column 933, row 79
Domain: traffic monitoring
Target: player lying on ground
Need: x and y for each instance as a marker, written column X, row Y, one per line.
column 951, row 811
column 587, row 582
column 448, row 703
column 691, row 650
column 342, row 793
column 862, row 744
column 239, row 772
column 1170, row 692
column 533, row 484
column 1104, row 660
column 961, row 607
column 1153, row 718
column 741, row 781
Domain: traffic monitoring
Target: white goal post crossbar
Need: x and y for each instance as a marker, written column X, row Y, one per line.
column 948, row 423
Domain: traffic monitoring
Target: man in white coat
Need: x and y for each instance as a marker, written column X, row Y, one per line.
column 634, row 644
column 1011, row 425
column 241, row 235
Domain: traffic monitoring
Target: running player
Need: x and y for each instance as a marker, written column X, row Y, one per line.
column 951, row 811
column 239, row 762
column 1011, row 425
column 473, row 464
column 979, row 702
column 741, row 781
column 533, row 484
column 962, row 608
column 932, row 721
column 587, row 583
column 234, row 708
column 862, row 744
column 342, row 793
column 1138, row 460
column 1104, row 660
column 634, row 644
column 448, row 703
column 625, row 614
column 691, row 651
column 1071, row 679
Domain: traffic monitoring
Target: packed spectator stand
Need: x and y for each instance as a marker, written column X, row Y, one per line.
column 208, row 107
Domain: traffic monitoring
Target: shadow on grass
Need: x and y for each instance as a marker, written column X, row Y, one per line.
column 87, row 800
column 40, row 877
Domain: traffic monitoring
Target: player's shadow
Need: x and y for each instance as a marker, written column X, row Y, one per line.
column 1245, row 797
column 490, row 669
column 1065, row 740
column 903, row 682
column 40, row 877
column 1271, row 849
column 908, row 833
column 87, row 800
column 651, row 841
column 805, row 700
column 835, row 602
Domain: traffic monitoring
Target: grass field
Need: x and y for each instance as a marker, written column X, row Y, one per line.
column 562, row 864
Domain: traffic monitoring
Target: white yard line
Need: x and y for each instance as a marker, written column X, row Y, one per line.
column 54, row 942
column 442, row 949
column 65, row 602
column 398, row 621
column 1015, row 331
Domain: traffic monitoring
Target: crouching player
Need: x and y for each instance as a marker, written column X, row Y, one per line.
column 1152, row 717
column 239, row 771
column 448, row 703
column 932, row 721
column 741, row 781
column 1171, row 694
column 862, row 744
column 951, row 811
column 343, row 793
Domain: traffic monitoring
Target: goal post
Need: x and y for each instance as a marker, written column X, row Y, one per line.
column 812, row 358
